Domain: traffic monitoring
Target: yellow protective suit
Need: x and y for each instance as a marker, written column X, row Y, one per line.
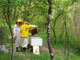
column 24, row 31
column 24, row 34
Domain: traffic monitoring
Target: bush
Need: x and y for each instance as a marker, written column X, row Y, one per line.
column 4, row 32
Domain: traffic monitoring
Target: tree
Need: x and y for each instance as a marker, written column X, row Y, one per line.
column 48, row 30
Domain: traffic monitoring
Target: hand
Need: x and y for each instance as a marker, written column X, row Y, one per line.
column 34, row 26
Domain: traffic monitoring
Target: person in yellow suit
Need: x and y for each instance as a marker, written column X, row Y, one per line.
column 16, row 32
column 24, row 34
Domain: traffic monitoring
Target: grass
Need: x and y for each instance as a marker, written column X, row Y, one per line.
column 59, row 54
column 42, row 56
column 7, row 56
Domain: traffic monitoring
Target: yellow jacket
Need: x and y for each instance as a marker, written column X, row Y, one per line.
column 24, row 30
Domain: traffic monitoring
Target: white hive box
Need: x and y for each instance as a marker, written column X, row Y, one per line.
column 36, row 41
column 36, row 50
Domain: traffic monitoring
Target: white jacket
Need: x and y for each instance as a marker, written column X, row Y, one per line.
column 16, row 31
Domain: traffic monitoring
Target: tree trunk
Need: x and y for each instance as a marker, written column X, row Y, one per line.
column 9, row 24
column 66, row 38
column 48, row 30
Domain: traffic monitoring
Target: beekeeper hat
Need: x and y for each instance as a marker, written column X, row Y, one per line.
column 19, row 20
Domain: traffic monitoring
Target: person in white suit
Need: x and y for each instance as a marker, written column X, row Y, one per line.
column 16, row 32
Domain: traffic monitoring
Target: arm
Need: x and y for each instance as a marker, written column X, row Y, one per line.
column 14, row 32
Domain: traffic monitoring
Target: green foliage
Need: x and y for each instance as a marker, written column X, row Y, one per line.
column 36, row 12
column 4, row 33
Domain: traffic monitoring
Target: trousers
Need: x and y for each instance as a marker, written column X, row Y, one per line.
column 25, row 42
column 18, row 42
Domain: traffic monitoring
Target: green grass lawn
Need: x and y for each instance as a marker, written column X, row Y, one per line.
column 58, row 53
column 43, row 56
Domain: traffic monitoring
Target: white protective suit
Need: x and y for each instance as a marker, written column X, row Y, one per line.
column 16, row 31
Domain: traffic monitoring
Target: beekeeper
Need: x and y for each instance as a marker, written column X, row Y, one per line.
column 16, row 32
column 24, row 34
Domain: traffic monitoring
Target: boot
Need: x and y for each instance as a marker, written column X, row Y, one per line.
column 24, row 49
column 16, row 49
